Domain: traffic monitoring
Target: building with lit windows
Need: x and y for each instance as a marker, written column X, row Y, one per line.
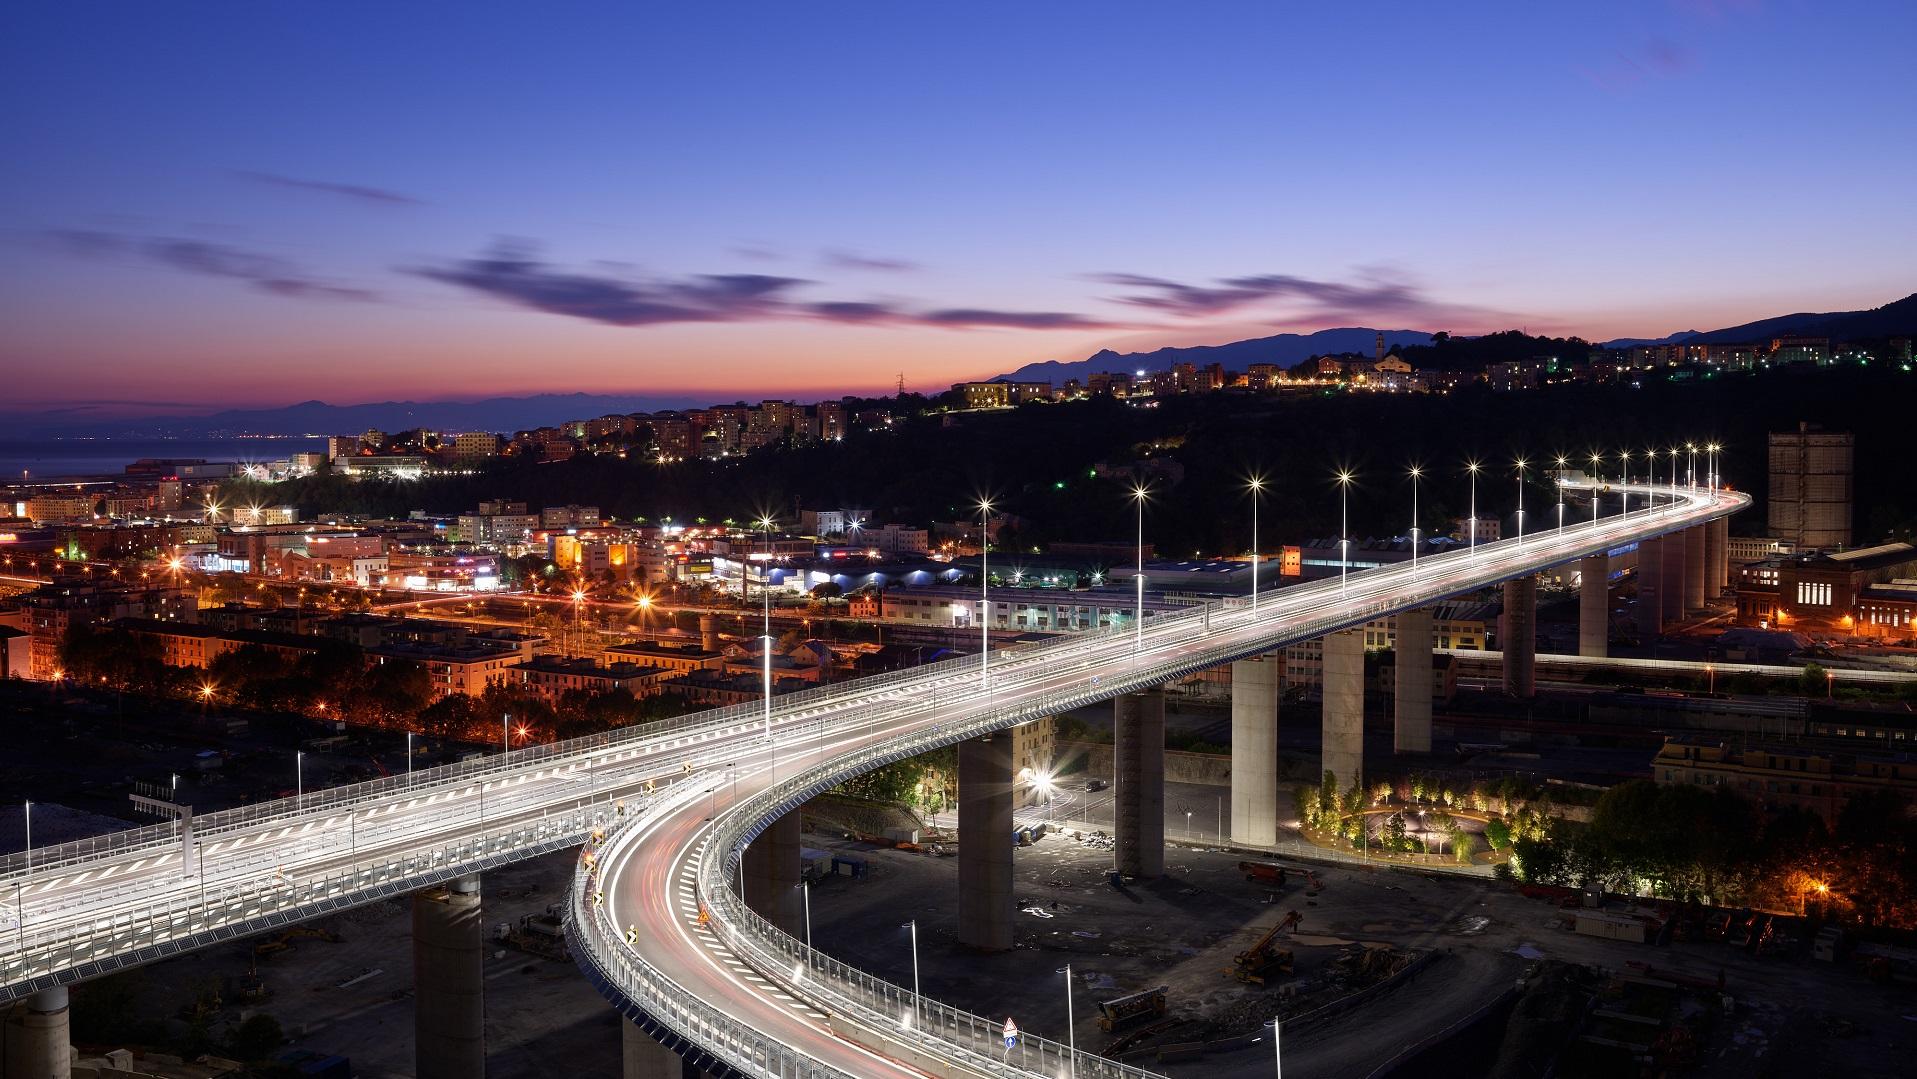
column 1868, row 591
column 1780, row 777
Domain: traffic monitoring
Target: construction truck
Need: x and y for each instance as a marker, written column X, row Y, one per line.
column 1131, row 1010
column 537, row 934
column 1265, row 960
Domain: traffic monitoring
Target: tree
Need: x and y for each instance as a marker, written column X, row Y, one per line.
column 256, row 1037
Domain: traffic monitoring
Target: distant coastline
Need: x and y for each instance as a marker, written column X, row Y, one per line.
column 86, row 457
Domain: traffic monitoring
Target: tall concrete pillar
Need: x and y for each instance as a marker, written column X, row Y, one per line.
column 37, row 1037
column 1519, row 637
column 449, row 995
column 1138, row 785
column 1671, row 575
column 644, row 1058
column 1411, row 691
column 1594, row 605
column 985, row 842
column 771, row 875
column 1255, row 687
column 1717, row 556
column 1695, row 540
column 1342, row 751
column 1650, row 589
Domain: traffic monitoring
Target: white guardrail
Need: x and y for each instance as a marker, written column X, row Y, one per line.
column 970, row 1041
column 101, row 928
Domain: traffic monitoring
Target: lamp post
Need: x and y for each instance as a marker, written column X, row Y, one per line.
column 1139, row 494
column 1624, row 464
column 1520, row 517
column 1071, row 1024
column 1597, row 479
column 1416, row 472
column 984, row 589
column 1472, row 467
column 505, row 732
column 409, row 754
column 1690, row 465
column 1710, row 465
column 1277, row 1055
column 917, row 1018
column 806, row 887
column 1257, row 486
column 27, row 807
column 765, row 640
column 299, row 774
column 1561, row 494
column 1344, row 529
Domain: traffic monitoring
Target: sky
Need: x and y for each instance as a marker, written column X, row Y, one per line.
column 241, row 204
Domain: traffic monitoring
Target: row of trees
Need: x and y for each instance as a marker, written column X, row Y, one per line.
column 1712, row 845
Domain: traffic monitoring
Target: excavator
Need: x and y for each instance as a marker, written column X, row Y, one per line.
column 1258, row 964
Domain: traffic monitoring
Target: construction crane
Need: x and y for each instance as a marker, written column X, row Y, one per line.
column 1258, row 964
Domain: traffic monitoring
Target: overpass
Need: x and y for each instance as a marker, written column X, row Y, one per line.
column 683, row 910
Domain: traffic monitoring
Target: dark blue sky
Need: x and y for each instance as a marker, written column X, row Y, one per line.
column 256, row 203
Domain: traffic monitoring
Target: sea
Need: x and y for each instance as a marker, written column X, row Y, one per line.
column 80, row 458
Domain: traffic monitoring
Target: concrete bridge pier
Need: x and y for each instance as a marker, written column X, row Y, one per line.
column 1717, row 556
column 1594, row 606
column 1519, row 637
column 1138, row 783
column 1671, row 575
column 38, row 1039
column 1696, row 539
column 1342, row 743
column 1411, row 689
column 1650, row 589
column 1255, row 687
column 985, row 843
column 771, row 876
column 449, row 995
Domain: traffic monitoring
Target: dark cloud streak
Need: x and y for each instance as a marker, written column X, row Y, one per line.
column 356, row 192
column 267, row 273
column 512, row 274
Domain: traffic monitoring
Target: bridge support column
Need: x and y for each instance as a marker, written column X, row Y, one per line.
column 1650, row 589
column 1411, row 690
column 771, row 875
column 1670, row 574
column 1519, row 638
column 644, row 1058
column 1694, row 567
column 37, row 1037
column 449, row 995
column 1594, row 606
column 1138, row 783
column 1342, row 743
column 985, row 843
column 1717, row 557
column 1255, row 686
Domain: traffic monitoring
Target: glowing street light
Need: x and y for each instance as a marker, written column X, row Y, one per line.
column 1624, row 462
column 1710, row 465
column 984, row 590
column 1690, row 465
column 1561, row 460
column 1139, row 494
column 1597, row 479
column 1344, row 528
column 1257, row 486
column 1520, row 463
column 1473, row 467
column 1416, row 473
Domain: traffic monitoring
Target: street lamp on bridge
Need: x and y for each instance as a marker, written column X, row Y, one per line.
column 1139, row 493
column 1257, row 487
column 1473, row 468
column 1344, row 528
column 1416, row 472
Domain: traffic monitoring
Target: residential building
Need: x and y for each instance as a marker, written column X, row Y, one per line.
column 553, row 676
column 1779, row 777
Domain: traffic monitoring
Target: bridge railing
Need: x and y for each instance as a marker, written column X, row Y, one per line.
column 749, row 1050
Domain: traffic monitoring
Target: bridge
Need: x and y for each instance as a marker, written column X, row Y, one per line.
column 684, row 913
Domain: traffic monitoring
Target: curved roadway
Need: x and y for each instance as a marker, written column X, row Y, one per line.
column 751, row 999
column 641, row 908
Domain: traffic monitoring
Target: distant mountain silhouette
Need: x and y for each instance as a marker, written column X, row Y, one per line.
column 1640, row 342
column 1285, row 349
column 1891, row 320
column 318, row 417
